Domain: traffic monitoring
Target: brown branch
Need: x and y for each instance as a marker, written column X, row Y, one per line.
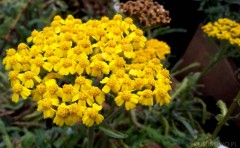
column 28, row 124
column 4, row 112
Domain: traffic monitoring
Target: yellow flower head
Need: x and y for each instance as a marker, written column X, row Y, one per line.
column 72, row 68
column 126, row 97
column 46, row 105
column 62, row 115
column 224, row 29
column 19, row 90
column 92, row 116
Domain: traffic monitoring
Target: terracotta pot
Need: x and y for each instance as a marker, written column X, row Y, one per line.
column 221, row 81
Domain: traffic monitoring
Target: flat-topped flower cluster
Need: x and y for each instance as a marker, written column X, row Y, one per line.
column 70, row 67
column 224, row 29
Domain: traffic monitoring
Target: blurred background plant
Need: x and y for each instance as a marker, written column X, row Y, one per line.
column 215, row 9
column 177, row 125
column 19, row 18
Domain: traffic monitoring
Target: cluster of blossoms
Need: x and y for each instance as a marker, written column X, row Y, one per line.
column 70, row 67
column 149, row 13
column 224, row 29
column 155, row 49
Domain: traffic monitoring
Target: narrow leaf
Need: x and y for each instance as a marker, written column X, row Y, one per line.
column 223, row 110
column 187, row 125
column 113, row 133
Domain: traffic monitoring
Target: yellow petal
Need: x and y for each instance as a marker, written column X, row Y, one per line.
column 59, row 121
column 100, row 98
column 37, row 79
column 21, row 77
column 106, row 89
column 55, row 102
column 15, row 97
column 99, row 119
column 129, row 105
column 90, row 101
column 48, row 113
column 105, row 70
column 133, row 72
column 105, row 80
column 82, row 102
column 129, row 54
column 50, row 82
column 47, row 66
column 35, row 69
column 119, row 101
column 134, row 99
column 72, row 70
column 97, row 107
column 87, row 121
column 63, row 71
column 29, row 83
column 25, row 93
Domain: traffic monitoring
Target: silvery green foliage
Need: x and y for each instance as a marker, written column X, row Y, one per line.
column 215, row 9
column 19, row 17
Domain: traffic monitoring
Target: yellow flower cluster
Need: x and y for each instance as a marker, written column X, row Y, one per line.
column 224, row 29
column 71, row 66
column 155, row 49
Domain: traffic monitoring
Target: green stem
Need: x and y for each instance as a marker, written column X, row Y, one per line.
column 115, row 113
column 209, row 66
column 226, row 117
column 90, row 137
column 134, row 118
column 149, row 33
column 217, row 57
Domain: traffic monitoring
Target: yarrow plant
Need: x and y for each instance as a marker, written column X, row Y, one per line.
column 70, row 67
column 226, row 34
column 224, row 29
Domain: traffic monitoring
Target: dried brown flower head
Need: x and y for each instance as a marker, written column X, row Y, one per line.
column 148, row 12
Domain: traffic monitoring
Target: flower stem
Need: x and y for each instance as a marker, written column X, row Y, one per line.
column 90, row 137
column 216, row 58
column 226, row 117
column 134, row 118
column 149, row 33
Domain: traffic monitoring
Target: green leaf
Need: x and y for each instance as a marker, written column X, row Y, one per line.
column 204, row 110
column 58, row 142
column 223, row 110
column 113, row 133
column 32, row 116
column 5, row 136
column 181, row 87
column 176, row 131
column 28, row 139
column 187, row 125
column 222, row 107
column 192, row 65
column 167, row 30
column 5, row 26
column 155, row 134
column 12, row 106
column 166, row 125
